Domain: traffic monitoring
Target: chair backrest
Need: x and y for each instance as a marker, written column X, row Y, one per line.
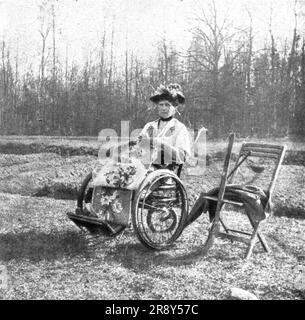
column 264, row 160
column 224, row 174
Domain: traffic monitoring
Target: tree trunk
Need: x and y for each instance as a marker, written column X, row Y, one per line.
column 54, row 105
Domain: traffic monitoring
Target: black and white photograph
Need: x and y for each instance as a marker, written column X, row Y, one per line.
column 152, row 151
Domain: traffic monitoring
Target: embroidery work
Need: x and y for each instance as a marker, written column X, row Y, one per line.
column 170, row 131
column 121, row 176
column 126, row 174
column 112, row 205
column 150, row 131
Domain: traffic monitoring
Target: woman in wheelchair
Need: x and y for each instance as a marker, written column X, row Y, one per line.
column 168, row 138
column 128, row 184
column 165, row 144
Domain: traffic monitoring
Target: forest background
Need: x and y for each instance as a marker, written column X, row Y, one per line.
column 75, row 67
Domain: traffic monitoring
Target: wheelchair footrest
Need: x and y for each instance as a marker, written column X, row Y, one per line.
column 95, row 225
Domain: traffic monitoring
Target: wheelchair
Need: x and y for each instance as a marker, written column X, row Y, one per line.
column 156, row 209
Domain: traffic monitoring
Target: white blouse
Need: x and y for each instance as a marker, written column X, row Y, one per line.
column 173, row 133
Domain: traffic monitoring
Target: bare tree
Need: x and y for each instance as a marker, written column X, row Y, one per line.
column 273, row 51
column 44, row 30
column 127, row 100
column 54, row 42
column 4, row 71
column 45, row 27
column 165, row 59
column 101, row 77
column 211, row 34
column 110, row 75
column 291, row 70
column 250, row 54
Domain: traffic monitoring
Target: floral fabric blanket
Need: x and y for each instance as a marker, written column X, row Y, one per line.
column 113, row 182
column 127, row 174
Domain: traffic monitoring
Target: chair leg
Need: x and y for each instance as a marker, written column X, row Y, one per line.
column 263, row 242
column 252, row 241
column 214, row 229
column 224, row 226
column 261, row 238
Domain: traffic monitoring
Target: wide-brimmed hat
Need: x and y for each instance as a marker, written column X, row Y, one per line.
column 172, row 93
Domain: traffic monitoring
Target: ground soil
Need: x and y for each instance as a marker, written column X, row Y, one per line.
column 52, row 175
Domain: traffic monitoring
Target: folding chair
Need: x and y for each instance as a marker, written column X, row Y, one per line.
column 255, row 156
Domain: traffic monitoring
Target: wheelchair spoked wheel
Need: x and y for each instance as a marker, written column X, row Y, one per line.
column 85, row 192
column 153, row 220
column 85, row 196
column 160, row 209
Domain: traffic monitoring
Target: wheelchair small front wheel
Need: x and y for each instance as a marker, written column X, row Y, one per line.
column 160, row 210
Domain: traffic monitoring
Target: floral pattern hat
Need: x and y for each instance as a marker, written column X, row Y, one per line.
column 172, row 93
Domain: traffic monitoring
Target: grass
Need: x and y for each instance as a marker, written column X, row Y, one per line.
column 47, row 257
